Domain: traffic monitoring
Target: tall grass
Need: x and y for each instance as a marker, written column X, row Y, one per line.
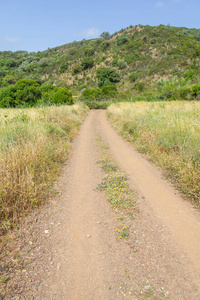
column 33, row 145
column 169, row 134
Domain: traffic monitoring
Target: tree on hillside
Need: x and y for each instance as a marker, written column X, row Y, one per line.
column 105, row 34
column 107, row 76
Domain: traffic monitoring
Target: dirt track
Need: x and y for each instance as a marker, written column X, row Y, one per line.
column 81, row 257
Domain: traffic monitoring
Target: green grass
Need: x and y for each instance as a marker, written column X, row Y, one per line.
column 115, row 182
column 34, row 143
column 168, row 133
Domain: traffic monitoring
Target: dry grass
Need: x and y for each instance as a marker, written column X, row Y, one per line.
column 169, row 134
column 33, row 145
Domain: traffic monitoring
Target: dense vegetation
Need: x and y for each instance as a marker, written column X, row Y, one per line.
column 141, row 62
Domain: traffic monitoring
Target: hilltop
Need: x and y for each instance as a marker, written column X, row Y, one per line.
column 159, row 62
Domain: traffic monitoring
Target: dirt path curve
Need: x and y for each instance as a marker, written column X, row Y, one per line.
column 80, row 255
column 180, row 218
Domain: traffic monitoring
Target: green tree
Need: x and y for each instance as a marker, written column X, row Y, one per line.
column 107, row 76
column 122, row 39
column 62, row 96
column 87, row 63
column 91, row 93
column 77, row 68
column 7, row 97
column 63, row 67
column 105, row 34
column 26, row 92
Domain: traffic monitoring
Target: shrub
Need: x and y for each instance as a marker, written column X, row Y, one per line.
column 91, row 93
column 185, row 92
column 7, row 97
column 190, row 75
column 109, row 91
column 122, row 39
column 89, row 50
column 47, row 88
column 195, row 90
column 8, row 79
column 26, row 92
column 76, row 69
column 63, row 67
column 95, row 104
column 105, row 45
column 87, row 63
column 62, row 96
column 107, row 76
column 140, row 86
column 115, row 60
column 122, row 64
column 133, row 77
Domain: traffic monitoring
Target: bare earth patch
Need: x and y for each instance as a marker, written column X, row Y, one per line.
column 70, row 249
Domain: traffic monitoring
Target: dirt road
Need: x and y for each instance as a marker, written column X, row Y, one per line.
column 80, row 256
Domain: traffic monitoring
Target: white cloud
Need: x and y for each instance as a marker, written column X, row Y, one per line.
column 159, row 4
column 90, row 33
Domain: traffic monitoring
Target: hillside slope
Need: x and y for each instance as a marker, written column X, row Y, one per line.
column 141, row 55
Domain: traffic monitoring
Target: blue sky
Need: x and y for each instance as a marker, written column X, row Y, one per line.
column 41, row 24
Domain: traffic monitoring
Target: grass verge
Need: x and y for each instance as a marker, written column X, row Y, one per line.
column 120, row 196
column 168, row 133
column 33, row 145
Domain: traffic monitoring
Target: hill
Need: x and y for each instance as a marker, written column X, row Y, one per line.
column 159, row 62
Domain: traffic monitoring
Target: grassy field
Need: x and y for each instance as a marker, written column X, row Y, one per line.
column 33, row 145
column 169, row 134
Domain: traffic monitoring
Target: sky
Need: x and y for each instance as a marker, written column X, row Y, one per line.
column 41, row 24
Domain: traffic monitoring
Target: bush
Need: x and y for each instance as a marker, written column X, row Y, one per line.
column 133, row 77
column 87, row 63
column 62, row 96
column 122, row 39
column 109, row 91
column 26, row 92
column 140, row 86
column 47, row 88
column 7, row 97
column 190, row 75
column 63, row 67
column 185, row 92
column 89, row 50
column 195, row 90
column 91, row 93
column 115, row 60
column 107, row 76
column 8, row 79
column 122, row 64
column 105, row 45
column 76, row 69
column 95, row 104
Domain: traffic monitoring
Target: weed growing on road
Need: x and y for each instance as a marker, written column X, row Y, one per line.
column 4, row 279
column 115, row 183
column 168, row 133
